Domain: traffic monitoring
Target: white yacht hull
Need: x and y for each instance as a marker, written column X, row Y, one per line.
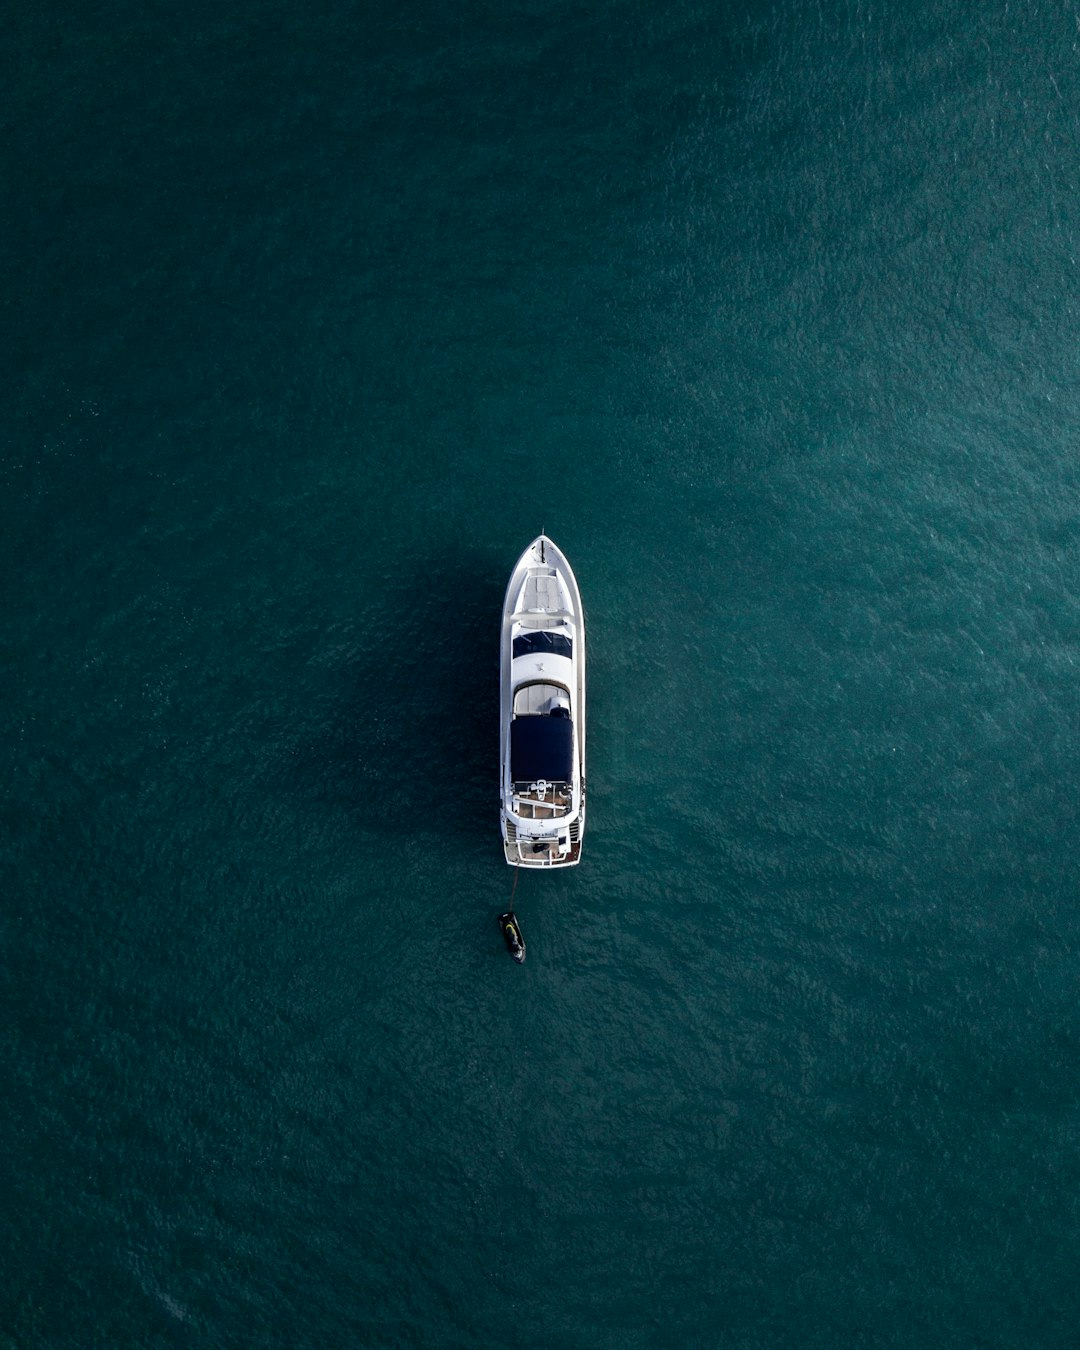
column 542, row 712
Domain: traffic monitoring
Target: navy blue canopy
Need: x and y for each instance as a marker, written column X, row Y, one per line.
column 541, row 747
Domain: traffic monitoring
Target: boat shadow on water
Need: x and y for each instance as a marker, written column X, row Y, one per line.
column 408, row 738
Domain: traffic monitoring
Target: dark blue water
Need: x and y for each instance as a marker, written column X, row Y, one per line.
column 313, row 317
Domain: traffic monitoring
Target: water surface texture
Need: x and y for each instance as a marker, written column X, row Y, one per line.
column 314, row 316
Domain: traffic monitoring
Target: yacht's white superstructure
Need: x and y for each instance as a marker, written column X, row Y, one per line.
column 542, row 703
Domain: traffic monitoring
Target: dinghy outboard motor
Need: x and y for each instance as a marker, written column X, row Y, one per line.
column 515, row 943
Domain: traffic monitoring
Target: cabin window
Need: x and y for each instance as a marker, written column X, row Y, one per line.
column 542, row 643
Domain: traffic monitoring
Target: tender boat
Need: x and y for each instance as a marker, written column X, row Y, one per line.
column 542, row 725
column 511, row 931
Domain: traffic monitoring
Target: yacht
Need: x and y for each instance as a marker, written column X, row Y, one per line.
column 542, row 707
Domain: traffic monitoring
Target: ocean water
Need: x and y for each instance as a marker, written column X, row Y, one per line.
column 313, row 317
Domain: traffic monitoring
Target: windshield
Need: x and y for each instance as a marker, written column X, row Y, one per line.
column 542, row 644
